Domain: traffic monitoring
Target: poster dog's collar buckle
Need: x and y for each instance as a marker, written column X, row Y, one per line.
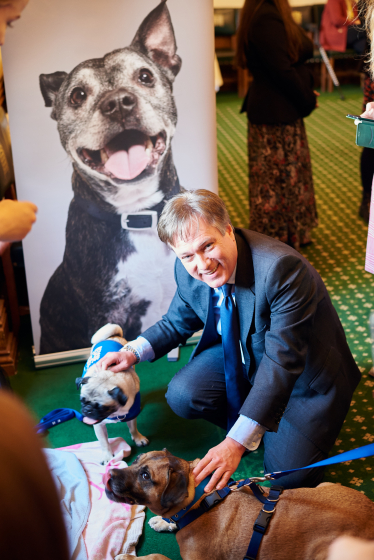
column 140, row 220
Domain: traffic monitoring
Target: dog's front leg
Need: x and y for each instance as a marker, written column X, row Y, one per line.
column 158, row 524
column 102, row 435
column 135, row 435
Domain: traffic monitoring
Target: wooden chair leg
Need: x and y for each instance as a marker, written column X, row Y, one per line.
column 11, row 290
column 323, row 77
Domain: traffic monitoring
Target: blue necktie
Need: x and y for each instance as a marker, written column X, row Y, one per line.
column 232, row 356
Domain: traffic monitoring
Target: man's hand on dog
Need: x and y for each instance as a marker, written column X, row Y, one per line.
column 223, row 459
column 122, row 361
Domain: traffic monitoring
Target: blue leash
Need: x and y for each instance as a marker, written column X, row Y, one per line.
column 359, row 453
column 185, row 516
column 57, row 416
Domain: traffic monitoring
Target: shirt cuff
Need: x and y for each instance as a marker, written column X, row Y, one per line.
column 143, row 348
column 247, row 432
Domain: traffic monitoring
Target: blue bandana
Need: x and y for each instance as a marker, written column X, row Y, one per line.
column 99, row 351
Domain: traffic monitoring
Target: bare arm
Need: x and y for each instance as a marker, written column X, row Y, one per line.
column 16, row 219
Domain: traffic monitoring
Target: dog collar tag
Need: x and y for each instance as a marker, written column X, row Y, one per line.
column 140, row 220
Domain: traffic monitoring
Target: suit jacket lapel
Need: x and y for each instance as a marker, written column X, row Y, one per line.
column 244, row 295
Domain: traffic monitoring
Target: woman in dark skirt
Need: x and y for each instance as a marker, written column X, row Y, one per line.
column 274, row 49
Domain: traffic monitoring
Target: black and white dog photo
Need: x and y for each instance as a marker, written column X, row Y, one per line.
column 116, row 118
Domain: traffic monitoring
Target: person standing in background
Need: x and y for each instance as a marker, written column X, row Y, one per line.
column 16, row 217
column 367, row 157
column 340, row 27
column 274, row 49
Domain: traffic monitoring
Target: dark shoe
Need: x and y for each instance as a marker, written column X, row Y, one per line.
column 364, row 210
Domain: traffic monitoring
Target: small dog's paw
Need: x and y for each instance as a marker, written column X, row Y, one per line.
column 159, row 525
column 140, row 441
column 106, row 458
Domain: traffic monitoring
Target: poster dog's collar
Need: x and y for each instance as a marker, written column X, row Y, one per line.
column 145, row 219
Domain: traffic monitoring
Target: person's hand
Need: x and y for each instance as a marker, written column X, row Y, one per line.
column 317, row 96
column 16, row 219
column 369, row 113
column 223, row 459
column 349, row 548
column 122, row 361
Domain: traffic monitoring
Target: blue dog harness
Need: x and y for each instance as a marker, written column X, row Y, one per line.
column 60, row 415
column 186, row 515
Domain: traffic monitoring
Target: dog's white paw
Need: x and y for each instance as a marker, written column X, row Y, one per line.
column 140, row 441
column 159, row 525
column 106, row 458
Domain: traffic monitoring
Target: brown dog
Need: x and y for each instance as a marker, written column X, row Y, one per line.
column 305, row 522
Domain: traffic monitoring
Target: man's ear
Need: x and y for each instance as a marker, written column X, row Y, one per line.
column 155, row 38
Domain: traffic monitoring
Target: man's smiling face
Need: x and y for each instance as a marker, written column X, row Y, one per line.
column 207, row 255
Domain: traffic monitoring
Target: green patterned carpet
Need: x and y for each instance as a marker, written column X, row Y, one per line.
column 338, row 251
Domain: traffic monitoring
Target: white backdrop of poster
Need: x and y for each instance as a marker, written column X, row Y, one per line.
column 57, row 36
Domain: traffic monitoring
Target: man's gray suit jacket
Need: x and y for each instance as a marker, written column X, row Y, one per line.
column 296, row 354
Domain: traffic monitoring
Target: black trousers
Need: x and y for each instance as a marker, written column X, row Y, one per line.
column 198, row 390
column 367, row 169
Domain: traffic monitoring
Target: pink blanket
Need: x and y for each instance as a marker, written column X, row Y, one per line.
column 111, row 528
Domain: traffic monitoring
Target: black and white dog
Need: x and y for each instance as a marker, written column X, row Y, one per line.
column 116, row 118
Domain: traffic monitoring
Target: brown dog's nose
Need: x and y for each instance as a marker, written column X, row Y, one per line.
column 118, row 104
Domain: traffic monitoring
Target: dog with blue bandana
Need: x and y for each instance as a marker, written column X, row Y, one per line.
column 106, row 396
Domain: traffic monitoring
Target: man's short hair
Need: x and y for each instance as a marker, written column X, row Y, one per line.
column 182, row 213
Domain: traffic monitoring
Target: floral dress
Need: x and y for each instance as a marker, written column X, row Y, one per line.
column 281, row 194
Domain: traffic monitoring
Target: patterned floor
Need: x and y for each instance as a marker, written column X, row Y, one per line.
column 338, row 251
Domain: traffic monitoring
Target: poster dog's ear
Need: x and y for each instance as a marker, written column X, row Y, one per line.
column 155, row 38
column 50, row 85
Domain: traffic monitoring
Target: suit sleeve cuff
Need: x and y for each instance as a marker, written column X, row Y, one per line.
column 247, row 432
column 143, row 348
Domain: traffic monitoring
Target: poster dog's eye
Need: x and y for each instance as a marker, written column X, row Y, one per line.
column 77, row 96
column 146, row 77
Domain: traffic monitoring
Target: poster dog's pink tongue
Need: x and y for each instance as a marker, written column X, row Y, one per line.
column 129, row 164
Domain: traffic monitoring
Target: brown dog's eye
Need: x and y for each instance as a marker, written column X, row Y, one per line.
column 145, row 476
column 146, row 77
column 77, row 96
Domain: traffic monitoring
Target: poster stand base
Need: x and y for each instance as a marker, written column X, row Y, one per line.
column 82, row 355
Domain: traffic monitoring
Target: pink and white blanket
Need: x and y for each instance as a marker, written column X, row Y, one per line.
column 112, row 528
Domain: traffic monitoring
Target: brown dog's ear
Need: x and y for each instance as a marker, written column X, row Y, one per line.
column 155, row 38
column 177, row 487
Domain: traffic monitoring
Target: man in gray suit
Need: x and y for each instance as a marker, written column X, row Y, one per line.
column 298, row 372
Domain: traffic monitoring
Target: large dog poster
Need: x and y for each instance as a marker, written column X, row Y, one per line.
column 112, row 112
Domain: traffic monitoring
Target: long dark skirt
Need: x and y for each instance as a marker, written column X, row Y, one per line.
column 281, row 194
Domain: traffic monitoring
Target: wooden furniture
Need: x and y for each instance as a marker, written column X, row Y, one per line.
column 9, row 333
column 354, row 72
column 8, row 344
